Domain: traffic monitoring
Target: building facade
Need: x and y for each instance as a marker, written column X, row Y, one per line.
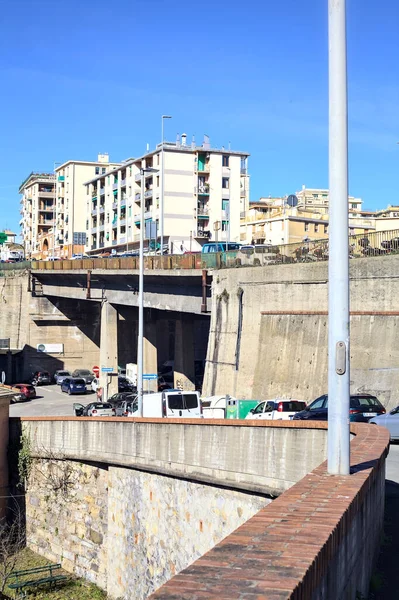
column 205, row 191
column 288, row 220
column 53, row 208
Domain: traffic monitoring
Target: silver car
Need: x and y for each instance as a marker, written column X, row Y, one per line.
column 59, row 376
column 390, row 421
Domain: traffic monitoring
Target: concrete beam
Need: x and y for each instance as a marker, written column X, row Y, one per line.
column 150, row 350
column 184, row 370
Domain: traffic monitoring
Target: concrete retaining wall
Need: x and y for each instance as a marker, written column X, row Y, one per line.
column 281, row 347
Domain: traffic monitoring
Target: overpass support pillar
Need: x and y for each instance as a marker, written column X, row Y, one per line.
column 109, row 350
column 184, row 376
column 150, row 351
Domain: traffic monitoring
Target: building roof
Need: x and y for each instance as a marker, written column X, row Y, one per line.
column 33, row 177
column 90, row 163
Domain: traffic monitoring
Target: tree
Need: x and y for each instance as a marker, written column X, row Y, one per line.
column 12, row 541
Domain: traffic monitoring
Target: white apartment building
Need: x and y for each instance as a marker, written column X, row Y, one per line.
column 205, row 190
column 53, row 208
column 318, row 198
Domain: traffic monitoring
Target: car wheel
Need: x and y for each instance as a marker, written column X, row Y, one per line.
column 69, row 392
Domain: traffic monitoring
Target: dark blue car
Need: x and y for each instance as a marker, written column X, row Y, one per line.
column 362, row 408
column 73, row 385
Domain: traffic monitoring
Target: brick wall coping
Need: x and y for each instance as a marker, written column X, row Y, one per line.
column 283, row 551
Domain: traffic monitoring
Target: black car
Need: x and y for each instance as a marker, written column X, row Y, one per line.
column 124, row 385
column 120, row 397
column 361, row 409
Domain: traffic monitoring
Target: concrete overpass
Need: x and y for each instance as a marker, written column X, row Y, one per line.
column 204, row 509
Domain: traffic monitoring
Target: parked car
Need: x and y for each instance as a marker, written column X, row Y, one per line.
column 361, row 409
column 95, row 384
column 117, row 399
column 276, row 410
column 94, row 409
column 163, row 384
column 125, row 385
column 41, row 378
column 73, row 385
column 59, row 376
column 390, row 421
column 85, row 374
column 27, row 390
column 127, row 408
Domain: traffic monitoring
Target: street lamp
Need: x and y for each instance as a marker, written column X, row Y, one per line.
column 162, row 183
column 338, row 266
column 141, row 297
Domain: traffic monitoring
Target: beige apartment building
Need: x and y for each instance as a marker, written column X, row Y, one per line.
column 287, row 220
column 205, row 191
column 54, row 208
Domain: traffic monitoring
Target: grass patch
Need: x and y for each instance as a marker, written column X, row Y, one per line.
column 73, row 589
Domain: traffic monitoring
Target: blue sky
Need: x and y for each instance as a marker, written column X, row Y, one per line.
column 88, row 76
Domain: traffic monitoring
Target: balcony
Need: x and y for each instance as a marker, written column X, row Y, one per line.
column 203, row 190
column 225, row 194
column 49, row 194
column 137, row 177
column 101, row 244
column 226, row 171
column 123, row 183
column 243, row 193
column 47, row 208
column 114, row 205
column 243, row 170
column 137, row 196
column 102, row 191
column 148, row 194
column 94, row 198
column 61, row 178
column 94, row 230
column 115, row 186
column 102, row 209
column 122, row 222
column 203, row 233
column 123, row 203
column 114, row 242
column 93, row 246
column 203, row 168
column 115, row 224
column 101, row 227
column 94, row 211
column 122, row 240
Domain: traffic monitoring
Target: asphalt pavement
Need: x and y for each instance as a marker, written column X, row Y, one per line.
column 50, row 401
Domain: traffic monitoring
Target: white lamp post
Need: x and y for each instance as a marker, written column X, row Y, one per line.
column 162, row 203
column 141, row 297
column 338, row 267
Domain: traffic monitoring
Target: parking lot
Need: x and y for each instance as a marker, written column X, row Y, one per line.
column 50, row 401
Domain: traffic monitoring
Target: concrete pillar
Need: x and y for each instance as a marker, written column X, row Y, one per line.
column 150, row 350
column 109, row 349
column 184, row 370
column 4, row 419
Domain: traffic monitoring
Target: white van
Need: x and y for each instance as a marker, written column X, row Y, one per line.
column 169, row 403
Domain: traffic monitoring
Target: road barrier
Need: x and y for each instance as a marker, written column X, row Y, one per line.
column 359, row 246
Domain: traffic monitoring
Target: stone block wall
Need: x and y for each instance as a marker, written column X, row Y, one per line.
column 67, row 516
column 159, row 525
column 127, row 531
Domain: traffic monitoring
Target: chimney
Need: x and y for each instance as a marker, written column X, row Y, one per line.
column 178, row 140
column 184, row 139
column 103, row 158
column 193, row 143
column 206, row 143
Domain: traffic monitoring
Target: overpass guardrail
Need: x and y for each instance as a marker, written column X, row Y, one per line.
column 359, row 246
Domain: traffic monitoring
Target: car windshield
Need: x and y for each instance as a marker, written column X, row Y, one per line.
column 83, row 372
column 293, row 406
column 63, row 373
column 182, row 401
column 78, row 382
column 101, row 406
column 365, row 402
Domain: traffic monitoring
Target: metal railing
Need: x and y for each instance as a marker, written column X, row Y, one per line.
column 359, row 246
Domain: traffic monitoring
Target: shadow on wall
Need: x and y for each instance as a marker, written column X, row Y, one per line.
column 33, row 360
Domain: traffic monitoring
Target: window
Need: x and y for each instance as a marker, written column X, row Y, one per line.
column 157, row 159
column 259, row 408
column 325, row 228
column 225, row 204
column 157, row 180
column 316, row 228
column 354, row 205
column 225, row 183
column 225, row 161
column 306, row 226
column 97, row 170
column 102, row 170
column 87, row 189
column 225, row 225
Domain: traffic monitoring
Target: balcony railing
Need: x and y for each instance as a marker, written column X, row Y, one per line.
column 49, row 194
column 61, row 178
column 148, row 194
column 101, row 227
column 122, row 222
column 243, row 170
column 137, row 177
column 114, row 205
column 203, row 168
column 94, row 230
column 225, row 194
column 102, row 191
column 115, row 223
column 94, row 211
column 123, row 183
column 115, row 185
column 122, row 240
column 114, row 242
column 203, row 190
column 102, row 209
column 137, row 196
column 243, row 193
column 47, row 208
column 101, row 244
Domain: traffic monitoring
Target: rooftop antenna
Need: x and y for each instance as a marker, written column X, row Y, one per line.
column 148, row 147
column 193, row 142
column 229, row 145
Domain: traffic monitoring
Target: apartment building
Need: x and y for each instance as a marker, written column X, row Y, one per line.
column 287, row 220
column 37, row 210
column 205, row 190
column 53, row 208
